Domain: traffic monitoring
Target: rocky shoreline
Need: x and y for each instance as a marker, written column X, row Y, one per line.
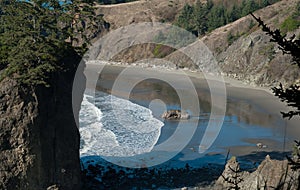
column 269, row 174
column 100, row 176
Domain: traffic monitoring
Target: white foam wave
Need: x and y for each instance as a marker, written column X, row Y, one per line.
column 113, row 126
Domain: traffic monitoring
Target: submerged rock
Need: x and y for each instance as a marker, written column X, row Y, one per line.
column 175, row 114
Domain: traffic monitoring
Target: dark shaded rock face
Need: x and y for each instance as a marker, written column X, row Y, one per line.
column 39, row 139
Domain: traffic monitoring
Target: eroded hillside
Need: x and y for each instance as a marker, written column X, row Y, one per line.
column 141, row 11
column 242, row 50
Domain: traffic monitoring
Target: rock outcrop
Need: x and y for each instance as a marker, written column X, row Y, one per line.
column 39, row 138
column 175, row 114
column 119, row 15
column 270, row 174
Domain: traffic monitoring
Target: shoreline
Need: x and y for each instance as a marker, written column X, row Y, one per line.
column 191, row 73
column 260, row 99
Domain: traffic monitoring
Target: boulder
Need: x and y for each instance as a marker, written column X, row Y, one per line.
column 175, row 115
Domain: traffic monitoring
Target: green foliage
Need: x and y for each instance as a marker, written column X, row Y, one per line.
column 216, row 17
column 36, row 35
column 157, row 50
column 248, row 7
column 233, row 14
column 231, row 38
column 268, row 51
column 290, row 95
column 161, row 51
column 167, row 41
column 201, row 18
column 174, row 37
column 290, row 24
column 251, row 24
column 185, row 19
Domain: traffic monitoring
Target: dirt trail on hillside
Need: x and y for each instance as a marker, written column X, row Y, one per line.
column 121, row 4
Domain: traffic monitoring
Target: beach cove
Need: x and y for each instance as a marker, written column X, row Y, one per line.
column 252, row 117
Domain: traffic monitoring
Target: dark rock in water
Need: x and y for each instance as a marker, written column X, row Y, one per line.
column 39, row 138
column 175, row 114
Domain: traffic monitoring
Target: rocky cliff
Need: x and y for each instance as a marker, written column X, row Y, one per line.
column 250, row 56
column 39, row 137
column 141, row 11
column 270, row 174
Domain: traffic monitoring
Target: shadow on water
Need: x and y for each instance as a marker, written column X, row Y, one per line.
column 258, row 157
column 100, row 174
column 161, row 176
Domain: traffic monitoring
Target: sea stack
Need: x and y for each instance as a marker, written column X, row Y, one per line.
column 39, row 137
column 175, row 115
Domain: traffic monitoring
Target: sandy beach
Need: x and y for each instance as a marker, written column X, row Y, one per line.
column 252, row 116
column 253, row 105
column 261, row 98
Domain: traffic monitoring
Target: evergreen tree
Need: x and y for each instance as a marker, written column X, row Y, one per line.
column 185, row 19
column 209, row 4
column 37, row 35
column 290, row 95
column 233, row 14
column 200, row 18
column 216, row 17
column 265, row 3
column 249, row 6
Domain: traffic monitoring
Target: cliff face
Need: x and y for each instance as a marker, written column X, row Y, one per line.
column 251, row 57
column 119, row 15
column 39, row 137
column 270, row 174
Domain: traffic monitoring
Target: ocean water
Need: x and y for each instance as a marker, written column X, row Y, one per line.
column 115, row 127
column 120, row 129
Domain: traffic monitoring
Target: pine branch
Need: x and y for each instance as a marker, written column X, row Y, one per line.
column 291, row 46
